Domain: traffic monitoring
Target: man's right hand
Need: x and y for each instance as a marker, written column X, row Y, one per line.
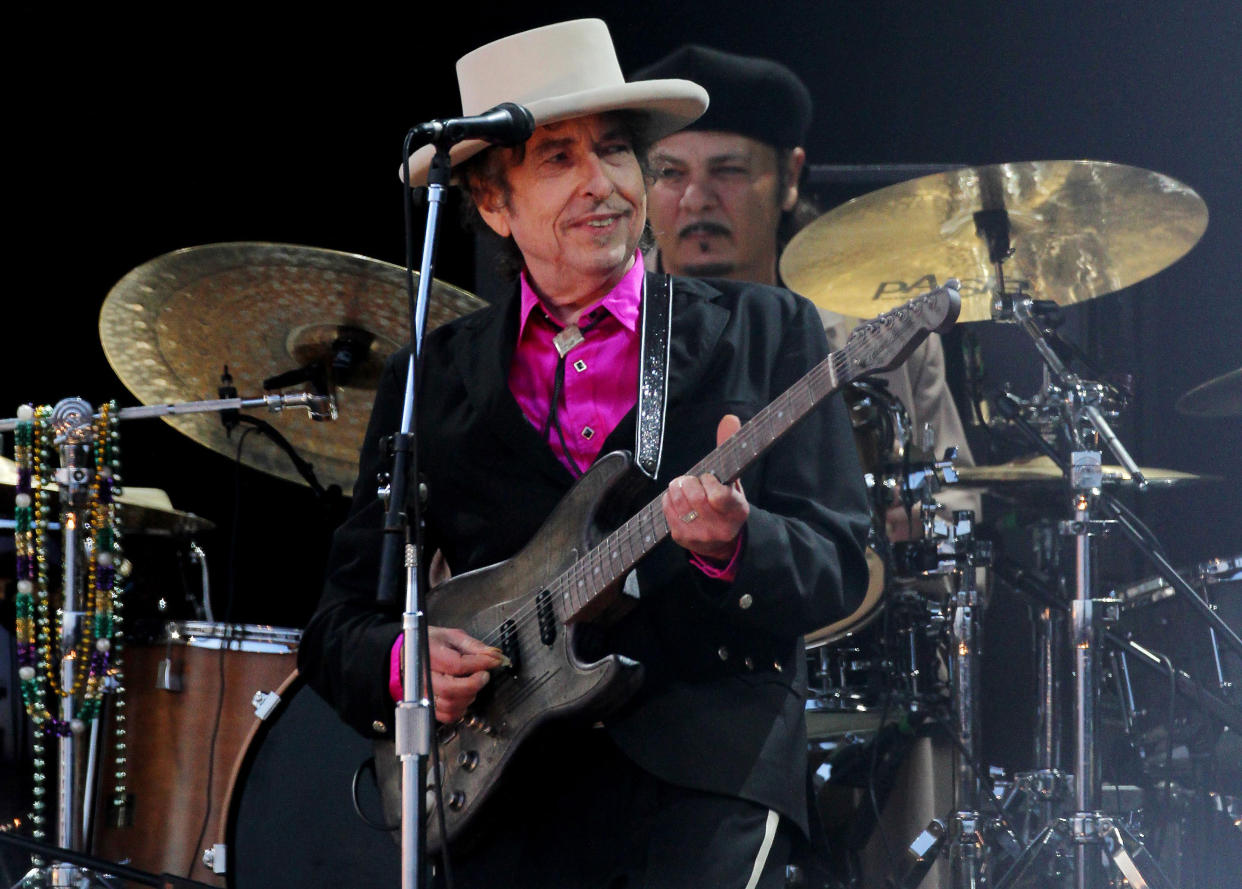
column 459, row 670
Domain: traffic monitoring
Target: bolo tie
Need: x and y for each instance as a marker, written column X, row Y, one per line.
column 569, row 337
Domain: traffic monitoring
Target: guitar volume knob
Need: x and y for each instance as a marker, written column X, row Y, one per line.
column 467, row 760
column 457, row 801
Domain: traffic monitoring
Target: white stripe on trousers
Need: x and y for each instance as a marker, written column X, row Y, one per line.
column 769, row 834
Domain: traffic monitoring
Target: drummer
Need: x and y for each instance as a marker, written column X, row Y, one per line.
column 724, row 201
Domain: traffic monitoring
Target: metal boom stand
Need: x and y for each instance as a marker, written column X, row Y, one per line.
column 1087, row 827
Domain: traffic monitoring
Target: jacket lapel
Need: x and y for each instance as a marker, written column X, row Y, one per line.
column 489, row 340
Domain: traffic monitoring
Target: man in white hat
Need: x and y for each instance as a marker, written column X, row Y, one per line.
column 696, row 778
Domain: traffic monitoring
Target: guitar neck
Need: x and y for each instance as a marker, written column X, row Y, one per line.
column 873, row 346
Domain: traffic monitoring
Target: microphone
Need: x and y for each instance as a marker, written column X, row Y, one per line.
column 506, row 124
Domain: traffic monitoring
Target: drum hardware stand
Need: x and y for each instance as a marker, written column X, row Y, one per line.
column 964, row 833
column 1083, row 423
column 965, row 837
column 71, row 420
column 1042, row 790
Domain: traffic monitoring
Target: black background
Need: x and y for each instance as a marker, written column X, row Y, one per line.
column 131, row 135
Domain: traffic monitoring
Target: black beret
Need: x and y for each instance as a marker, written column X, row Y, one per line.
column 756, row 97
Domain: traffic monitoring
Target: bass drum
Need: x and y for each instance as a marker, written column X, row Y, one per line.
column 188, row 706
column 291, row 819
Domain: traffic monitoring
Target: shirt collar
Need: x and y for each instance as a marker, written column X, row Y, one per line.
column 623, row 302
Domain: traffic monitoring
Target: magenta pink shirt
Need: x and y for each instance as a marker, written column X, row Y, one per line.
column 600, row 372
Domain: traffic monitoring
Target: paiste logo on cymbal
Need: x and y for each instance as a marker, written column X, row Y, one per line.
column 970, row 287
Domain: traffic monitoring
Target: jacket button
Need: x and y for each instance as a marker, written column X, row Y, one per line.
column 379, row 727
column 746, row 601
column 722, row 653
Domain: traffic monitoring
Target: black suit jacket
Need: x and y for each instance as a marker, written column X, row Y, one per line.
column 721, row 706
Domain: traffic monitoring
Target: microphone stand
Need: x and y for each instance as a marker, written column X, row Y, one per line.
column 403, row 541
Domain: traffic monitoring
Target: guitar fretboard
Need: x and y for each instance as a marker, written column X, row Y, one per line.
column 873, row 346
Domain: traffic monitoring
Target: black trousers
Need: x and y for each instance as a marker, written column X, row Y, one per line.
column 585, row 817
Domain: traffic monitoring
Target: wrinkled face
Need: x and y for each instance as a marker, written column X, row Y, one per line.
column 576, row 204
column 716, row 200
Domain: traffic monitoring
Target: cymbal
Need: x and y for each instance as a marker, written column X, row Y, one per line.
column 1218, row 397
column 1078, row 229
column 1041, row 471
column 171, row 325
column 146, row 510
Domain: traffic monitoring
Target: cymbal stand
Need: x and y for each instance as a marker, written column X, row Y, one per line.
column 1088, row 829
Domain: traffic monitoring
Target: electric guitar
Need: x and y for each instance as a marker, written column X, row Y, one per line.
column 528, row 605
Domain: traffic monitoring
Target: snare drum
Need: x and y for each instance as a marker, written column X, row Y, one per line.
column 189, row 705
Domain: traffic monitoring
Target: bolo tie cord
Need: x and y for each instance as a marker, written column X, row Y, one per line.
column 553, row 420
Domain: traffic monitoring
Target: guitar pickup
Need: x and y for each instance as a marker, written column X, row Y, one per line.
column 547, row 618
column 509, row 646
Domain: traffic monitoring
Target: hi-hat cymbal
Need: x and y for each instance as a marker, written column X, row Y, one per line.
column 1078, row 230
column 145, row 510
column 1041, row 471
column 1218, row 397
column 171, row 325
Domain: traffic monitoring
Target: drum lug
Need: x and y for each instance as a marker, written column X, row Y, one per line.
column 264, row 702
column 216, row 858
column 166, row 677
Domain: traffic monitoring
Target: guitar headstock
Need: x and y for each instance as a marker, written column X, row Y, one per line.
column 885, row 341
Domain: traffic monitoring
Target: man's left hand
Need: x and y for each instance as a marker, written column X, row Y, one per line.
column 703, row 515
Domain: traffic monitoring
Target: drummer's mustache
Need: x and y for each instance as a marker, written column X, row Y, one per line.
column 703, row 228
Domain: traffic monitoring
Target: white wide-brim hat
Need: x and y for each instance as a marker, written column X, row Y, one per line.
column 560, row 72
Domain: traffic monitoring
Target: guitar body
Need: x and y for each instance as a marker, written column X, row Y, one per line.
column 500, row 604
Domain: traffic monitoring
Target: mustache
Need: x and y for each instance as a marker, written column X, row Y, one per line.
column 703, row 228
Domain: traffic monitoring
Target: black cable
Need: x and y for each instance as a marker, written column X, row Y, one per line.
column 211, row 748
column 367, row 764
column 305, row 469
column 224, row 644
